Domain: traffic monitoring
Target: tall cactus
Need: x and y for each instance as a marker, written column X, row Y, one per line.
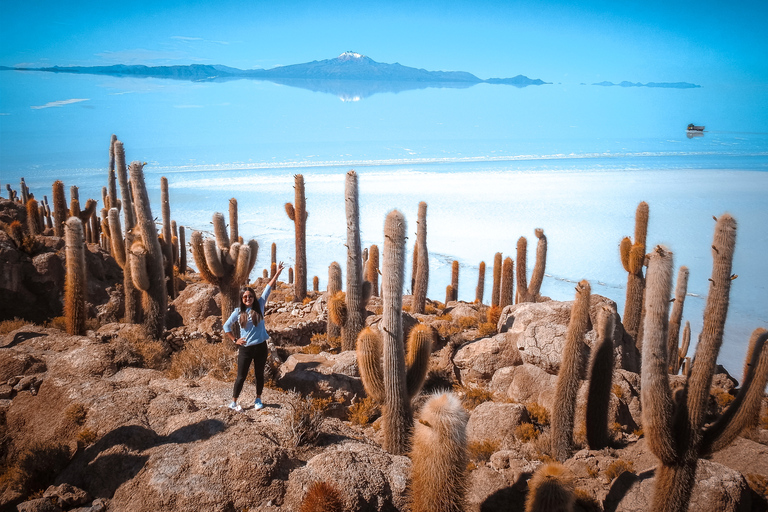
column 632, row 258
column 182, row 250
column 372, row 270
column 60, row 210
column 496, row 290
column 480, row 290
column 675, row 428
column 223, row 264
column 358, row 292
column 167, row 245
column 675, row 319
column 421, row 262
column 34, row 221
column 334, row 286
column 600, row 379
column 568, row 378
column 273, row 260
column 530, row 292
column 133, row 311
column 455, row 280
column 147, row 257
column 297, row 212
column 386, row 374
column 76, row 284
column 439, row 455
column 507, row 294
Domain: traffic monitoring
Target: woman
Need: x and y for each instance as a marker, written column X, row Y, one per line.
column 252, row 344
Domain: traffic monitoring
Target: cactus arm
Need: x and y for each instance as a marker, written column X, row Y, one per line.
column 568, row 378
column 220, row 231
column 165, row 208
column 116, row 237
column 537, row 277
column 421, row 261
column 138, row 263
column 746, row 405
column 676, row 318
column 197, row 244
column 398, row 419
column 254, row 245
column 715, row 313
column 683, row 351
column 655, row 394
column 369, row 353
column 233, row 223
column 625, row 247
column 125, row 189
column 417, row 359
column 213, row 258
column 600, row 379
column 289, row 209
column 242, row 267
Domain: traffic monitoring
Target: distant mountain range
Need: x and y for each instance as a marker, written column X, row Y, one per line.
column 666, row 85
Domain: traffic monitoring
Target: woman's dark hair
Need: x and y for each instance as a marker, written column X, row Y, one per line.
column 257, row 315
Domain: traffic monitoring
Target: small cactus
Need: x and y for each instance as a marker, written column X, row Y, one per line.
column 372, row 270
column 167, row 245
column 60, row 210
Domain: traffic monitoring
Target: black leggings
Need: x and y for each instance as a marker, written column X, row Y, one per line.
column 256, row 353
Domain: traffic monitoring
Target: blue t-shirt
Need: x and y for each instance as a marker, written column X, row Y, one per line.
column 253, row 334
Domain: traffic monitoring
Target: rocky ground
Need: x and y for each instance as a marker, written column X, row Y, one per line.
column 115, row 421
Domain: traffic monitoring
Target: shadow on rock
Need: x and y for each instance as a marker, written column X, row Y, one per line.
column 21, row 337
column 508, row 498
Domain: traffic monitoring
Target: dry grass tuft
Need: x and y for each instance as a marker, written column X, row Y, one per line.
column 447, row 317
column 200, row 358
column 311, row 349
column 7, row 326
column 322, row 497
column 618, row 467
column 618, row 391
column 493, row 315
column 538, row 413
column 76, row 413
column 445, row 330
column 481, row 451
column 471, row 397
column 468, row 322
column 429, row 309
column 486, row 329
column 86, row 437
column 57, row 322
column 722, row 398
column 526, row 432
column 363, row 411
column 304, row 420
column 638, row 432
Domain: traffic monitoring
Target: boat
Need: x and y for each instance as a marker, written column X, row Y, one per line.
column 693, row 128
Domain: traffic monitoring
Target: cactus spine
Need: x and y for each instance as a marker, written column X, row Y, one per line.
column 676, row 318
column 439, row 455
column 167, row 245
column 372, row 270
column 60, row 211
column 358, row 292
column 496, row 291
column 421, row 262
column 334, row 287
column 480, row 290
column 507, row 293
column 223, row 264
column 568, row 377
column 600, row 379
column 297, row 212
column 154, row 296
column 632, row 258
column 75, row 284
column 454, row 280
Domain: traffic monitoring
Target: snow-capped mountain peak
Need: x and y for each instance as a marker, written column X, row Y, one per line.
column 350, row 56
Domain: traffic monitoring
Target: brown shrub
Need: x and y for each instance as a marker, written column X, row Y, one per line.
column 36, row 467
column 363, row 411
column 200, row 358
column 486, row 329
column 471, row 397
column 618, row 467
column 447, row 317
column 618, row 391
column 429, row 309
column 722, row 398
column 538, row 413
column 76, row 413
column 154, row 354
column 57, row 322
column 526, row 432
column 468, row 322
column 446, row 330
column 124, row 353
column 304, row 420
column 86, row 437
column 493, row 315
column 322, row 497
column 7, row 326
column 311, row 349
column 481, row 451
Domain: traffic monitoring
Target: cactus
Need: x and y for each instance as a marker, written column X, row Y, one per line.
column 632, row 258
column 334, row 286
column 683, row 350
column 110, row 199
column 24, row 192
column 60, row 210
column 600, row 379
column 420, row 271
column 455, row 280
column 175, row 231
column 234, row 235
column 11, row 192
column 167, row 244
column 550, row 489
column 290, row 275
column 372, row 270
column 358, row 292
column 439, row 455
column 223, row 264
column 676, row 318
column 531, row 292
column 273, row 260
column 75, row 285
column 297, row 212
column 675, row 428
column 34, row 222
column 148, row 277
column 322, row 497
column 568, row 377
column 448, row 294
column 507, row 293
column 133, row 312
column 496, row 291
column 387, row 378
column 48, row 220
column 480, row 290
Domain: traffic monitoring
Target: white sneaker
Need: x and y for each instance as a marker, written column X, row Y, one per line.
column 235, row 407
column 257, row 404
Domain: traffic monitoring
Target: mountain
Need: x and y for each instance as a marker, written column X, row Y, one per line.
column 665, row 85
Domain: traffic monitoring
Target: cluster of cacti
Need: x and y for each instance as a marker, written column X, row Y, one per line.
column 297, row 212
column 420, row 270
column 372, row 269
column 569, row 375
column 386, row 374
column 75, row 284
column 675, row 426
column 633, row 259
column 439, row 456
column 224, row 263
column 530, row 292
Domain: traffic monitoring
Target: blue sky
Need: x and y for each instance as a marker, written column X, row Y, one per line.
column 699, row 41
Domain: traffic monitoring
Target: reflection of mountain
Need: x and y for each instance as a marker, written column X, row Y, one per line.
column 350, row 76
column 666, row 85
